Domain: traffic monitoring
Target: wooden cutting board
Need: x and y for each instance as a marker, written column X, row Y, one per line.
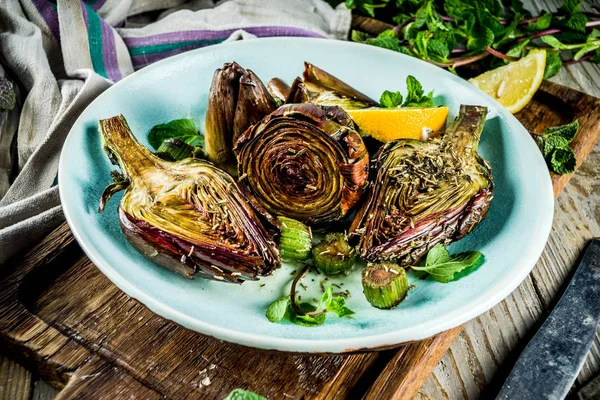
column 61, row 317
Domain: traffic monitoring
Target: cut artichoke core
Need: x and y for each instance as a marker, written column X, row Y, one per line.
column 188, row 215
column 426, row 193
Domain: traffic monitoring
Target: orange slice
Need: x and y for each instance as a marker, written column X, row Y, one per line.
column 387, row 124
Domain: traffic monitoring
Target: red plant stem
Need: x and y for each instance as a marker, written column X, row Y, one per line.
column 457, row 62
column 448, row 19
column 500, row 55
column 592, row 23
column 526, row 21
column 554, row 30
column 458, row 51
column 295, row 305
column 398, row 28
column 570, row 62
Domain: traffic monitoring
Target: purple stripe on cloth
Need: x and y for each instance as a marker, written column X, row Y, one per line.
column 85, row 15
column 146, row 59
column 184, row 36
column 49, row 15
column 98, row 4
column 109, row 52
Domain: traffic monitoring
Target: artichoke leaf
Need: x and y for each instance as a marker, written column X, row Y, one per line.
column 426, row 193
column 188, row 215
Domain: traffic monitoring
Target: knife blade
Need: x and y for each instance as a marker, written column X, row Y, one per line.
column 549, row 364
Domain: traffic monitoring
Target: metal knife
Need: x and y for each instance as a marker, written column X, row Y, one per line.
column 548, row 366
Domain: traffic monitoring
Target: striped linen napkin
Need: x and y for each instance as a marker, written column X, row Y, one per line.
column 59, row 55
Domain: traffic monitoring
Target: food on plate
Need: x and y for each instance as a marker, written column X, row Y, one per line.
column 334, row 255
column 425, row 193
column 237, row 100
column 305, row 162
column 188, row 216
column 513, row 85
column 385, row 285
column 301, row 162
column 295, row 240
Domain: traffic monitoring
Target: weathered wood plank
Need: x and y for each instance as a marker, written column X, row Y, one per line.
column 15, row 380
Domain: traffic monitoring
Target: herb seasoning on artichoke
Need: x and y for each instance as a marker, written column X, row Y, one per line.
column 385, row 285
column 304, row 162
column 425, row 193
column 295, row 240
column 237, row 100
column 333, row 255
column 188, row 216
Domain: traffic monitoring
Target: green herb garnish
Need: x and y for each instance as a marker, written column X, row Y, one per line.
column 442, row 266
column 414, row 98
column 241, row 394
column 459, row 32
column 183, row 129
column 554, row 144
column 306, row 314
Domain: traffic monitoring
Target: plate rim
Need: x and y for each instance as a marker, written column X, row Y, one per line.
column 466, row 312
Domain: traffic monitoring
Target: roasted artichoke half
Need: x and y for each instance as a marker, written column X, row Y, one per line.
column 322, row 88
column 304, row 162
column 237, row 99
column 425, row 193
column 188, row 215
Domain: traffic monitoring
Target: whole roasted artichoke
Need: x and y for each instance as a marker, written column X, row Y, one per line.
column 304, row 162
column 188, row 215
column 425, row 193
column 237, row 100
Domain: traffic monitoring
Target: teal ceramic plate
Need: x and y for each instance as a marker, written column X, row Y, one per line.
column 511, row 238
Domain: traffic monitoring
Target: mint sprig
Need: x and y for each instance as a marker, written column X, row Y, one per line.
column 415, row 96
column 306, row 314
column 554, row 144
column 183, row 129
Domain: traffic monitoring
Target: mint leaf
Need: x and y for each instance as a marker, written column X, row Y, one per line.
column 183, row 129
column 570, row 6
column 563, row 160
column 554, row 144
column 338, row 306
column 480, row 39
column 390, row 99
column 543, row 22
column 326, row 298
column 444, row 272
column 577, row 22
column 553, row 64
column 437, row 255
column 567, row 131
column 587, row 49
column 360, row 37
column 414, row 97
column 241, row 394
column 557, row 44
column 277, row 309
column 389, row 43
column 307, row 320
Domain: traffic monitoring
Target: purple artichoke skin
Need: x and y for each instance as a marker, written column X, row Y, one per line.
column 188, row 215
column 305, row 162
column 237, row 100
column 409, row 211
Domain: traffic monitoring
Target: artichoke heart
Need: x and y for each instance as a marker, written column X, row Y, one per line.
column 425, row 193
column 237, row 99
column 188, row 215
column 304, row 162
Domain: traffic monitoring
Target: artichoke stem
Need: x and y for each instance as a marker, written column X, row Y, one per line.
column 333, row 255
column 295, row 240
column 385, row 285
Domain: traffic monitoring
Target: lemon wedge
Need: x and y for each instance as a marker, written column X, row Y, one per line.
column 387, row 124
column 513, row 85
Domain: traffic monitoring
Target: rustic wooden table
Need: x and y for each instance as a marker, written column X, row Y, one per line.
column 473, row 367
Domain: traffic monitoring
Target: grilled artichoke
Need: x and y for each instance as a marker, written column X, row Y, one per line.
column 426, row 193
column 322, row 88
column 237, row 100
column 304, row 162
column 188, row 216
